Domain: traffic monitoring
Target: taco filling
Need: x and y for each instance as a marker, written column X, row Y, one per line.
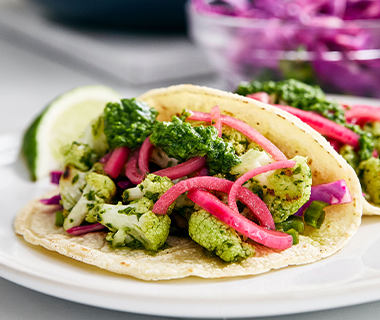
column 207, row 178
column 353, row 131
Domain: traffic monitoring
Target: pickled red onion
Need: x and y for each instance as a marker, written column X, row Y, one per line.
column 106, row 157
column 325, row 126
column 359, row 114
column 252, row 201
column 144, row 155
column 215, row 119
column 182, row 169
column 259, row 96
column 116, row 162
column 202, row 172
column 131, row 168
column 269, row 238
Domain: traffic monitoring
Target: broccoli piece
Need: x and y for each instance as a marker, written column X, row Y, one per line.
column 349, row 154
column 98, row 188
column 298, row 95
column 129, row 123
column 152, row 187
column 134, row 225
column 71, row 185
column 181, row 141
column 250, row 160
column 80, row 155
column 369, row 175
column 218, row 237
column 160, row 158
column 239, row 141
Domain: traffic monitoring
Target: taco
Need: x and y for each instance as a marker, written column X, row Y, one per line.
column 353, row 130
column 221, row 144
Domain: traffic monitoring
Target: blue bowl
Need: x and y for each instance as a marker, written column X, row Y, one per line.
column 140, row 14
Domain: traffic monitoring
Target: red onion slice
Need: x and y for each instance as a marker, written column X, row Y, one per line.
column 77, row 231
column 359, row 114
column 269, row 238
column 245, row 129
column 182, row 169
column 116, row 162
column 252, row 201
column 106, row 157
column 144, row 155
column 131, row 168
column 216, row 120
column 325, row 126
column 250, row 174
column 259, row 96
column 202, row 172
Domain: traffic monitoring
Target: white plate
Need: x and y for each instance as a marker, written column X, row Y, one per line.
column 351, row 276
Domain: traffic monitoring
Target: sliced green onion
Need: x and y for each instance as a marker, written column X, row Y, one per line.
column 293, row 222
column 315, row 215
column 59, row 218
column 294, row 234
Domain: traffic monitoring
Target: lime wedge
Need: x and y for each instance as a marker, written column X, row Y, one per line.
column 60, row 123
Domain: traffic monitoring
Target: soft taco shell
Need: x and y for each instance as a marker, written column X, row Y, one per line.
column 183, row 257
column 369, row 209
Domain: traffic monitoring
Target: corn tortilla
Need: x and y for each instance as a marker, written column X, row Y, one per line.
column 183, row 257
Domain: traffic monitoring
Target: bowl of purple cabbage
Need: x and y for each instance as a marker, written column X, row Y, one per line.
column 331, row 43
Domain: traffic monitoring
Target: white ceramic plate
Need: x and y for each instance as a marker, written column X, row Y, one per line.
column 351, row 276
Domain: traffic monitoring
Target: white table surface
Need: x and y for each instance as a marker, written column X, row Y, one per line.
column 31, row 77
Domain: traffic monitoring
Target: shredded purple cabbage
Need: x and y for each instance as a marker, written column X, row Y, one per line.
column 125, row 184
column 332, row 193
column 55, row 176
column 304, row 39
column 76, row 231
column 295, row 10
column 53, row 200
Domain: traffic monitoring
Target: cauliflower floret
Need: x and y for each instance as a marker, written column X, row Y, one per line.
column 99, row 188
column 239, row 141
column 152, row 187
column 218, row 237
column 80, row 155
column 284, row 191
column 369, row 175
column 250, row 160
column 134, row 225
column 88, row 148
column 349, row 154
column 71, row 185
